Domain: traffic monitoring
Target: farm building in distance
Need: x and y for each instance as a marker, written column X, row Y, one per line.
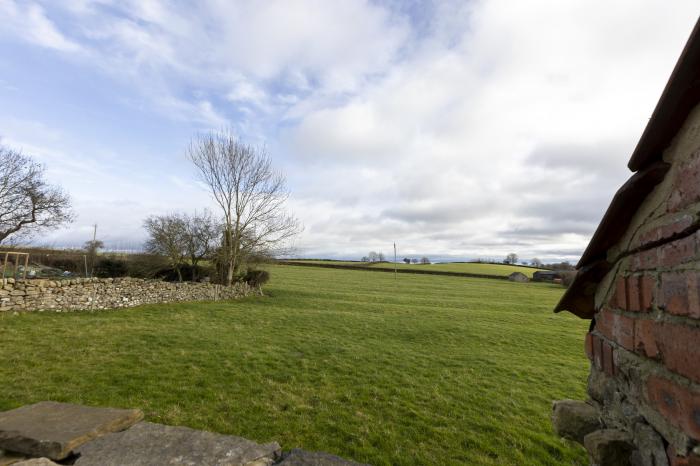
column 546, row 275
column 639, row 283
column 518, row 277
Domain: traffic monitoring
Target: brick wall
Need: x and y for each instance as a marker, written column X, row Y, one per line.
column 645, row 345
column 106, row 293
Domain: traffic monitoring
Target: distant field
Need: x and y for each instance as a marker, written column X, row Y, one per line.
column 459, row 267
column 418, row 370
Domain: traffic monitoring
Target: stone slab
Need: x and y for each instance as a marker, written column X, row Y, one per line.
column 574, row 419
column 36, row 462
column 299, row 457
column 51, row 429
column 7, row 458
column 147, row 444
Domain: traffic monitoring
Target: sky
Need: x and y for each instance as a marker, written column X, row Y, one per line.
column 457, row 129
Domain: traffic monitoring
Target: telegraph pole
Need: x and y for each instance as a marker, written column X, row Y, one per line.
column 395, row 266
column 94, row 251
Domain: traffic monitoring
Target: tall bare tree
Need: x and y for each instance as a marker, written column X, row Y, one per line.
column 251, row 195
column 167, row 237
column 202, row 233
column 27, row 202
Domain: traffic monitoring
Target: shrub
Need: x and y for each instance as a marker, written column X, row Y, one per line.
column 110, row 267
column 567, row 278
column 169, row 274
column 256, row 278
column 145, row 265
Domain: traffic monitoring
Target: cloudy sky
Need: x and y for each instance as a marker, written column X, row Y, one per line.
column 458, row 129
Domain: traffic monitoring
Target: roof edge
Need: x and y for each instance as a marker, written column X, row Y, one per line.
column 679, row 97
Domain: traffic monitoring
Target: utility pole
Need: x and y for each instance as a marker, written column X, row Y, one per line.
column 395, row 266
column 94, row 250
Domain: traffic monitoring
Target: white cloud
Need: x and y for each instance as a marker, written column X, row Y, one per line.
column 514, row 134
column 455, row 128
column 30, row 23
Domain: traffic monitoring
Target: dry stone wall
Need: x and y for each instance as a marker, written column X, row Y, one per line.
column 107, row 293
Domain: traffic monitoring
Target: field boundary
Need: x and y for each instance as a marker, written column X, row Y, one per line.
column 384, row 269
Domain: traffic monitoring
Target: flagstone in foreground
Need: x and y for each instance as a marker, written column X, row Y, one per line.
column 7, row 458
column 52, row 430
column 36, row 462
column 299, row 457
column 146, row 444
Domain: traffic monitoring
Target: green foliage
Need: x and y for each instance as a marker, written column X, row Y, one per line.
column 145, row 265
column 256, row 278
column 422, row 369
column 567, row 277
column 169, row 273
column 107, row 267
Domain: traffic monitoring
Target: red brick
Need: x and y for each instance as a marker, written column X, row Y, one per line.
column 588, row 346
column 677, row 252
column 616, row 327
column 619, row 298
column 680, row 293
column 667, row 230
column 634, row 294
column 598, row 352
column 646, row 284
column 687, row 184
column 608, row 363
column 640, row 293
column 677, row 460
column 646, row 260
column 679, row 348
column 677, row 404
column 644, row 338
column 674, row 459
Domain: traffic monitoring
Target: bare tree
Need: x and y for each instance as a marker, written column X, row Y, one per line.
column 202, row 233
column 27, row 202
column 414, row 261
column 511, row 258
column 167, row 237
column 536, row 262
column 406, row 260
column 251, row 195
column 373, row 256
column 380, row 257
column 91, row 247
column 424, row 260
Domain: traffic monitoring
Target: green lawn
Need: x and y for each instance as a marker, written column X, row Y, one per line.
column 420, row 370
column 461, row 267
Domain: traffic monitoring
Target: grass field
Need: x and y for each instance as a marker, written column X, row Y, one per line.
column 460, row 267
column 420, row 370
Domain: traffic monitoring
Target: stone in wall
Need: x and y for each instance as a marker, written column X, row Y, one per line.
column 107, row 293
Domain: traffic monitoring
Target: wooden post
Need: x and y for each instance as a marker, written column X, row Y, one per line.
column 26, row 265
column 4, row 265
